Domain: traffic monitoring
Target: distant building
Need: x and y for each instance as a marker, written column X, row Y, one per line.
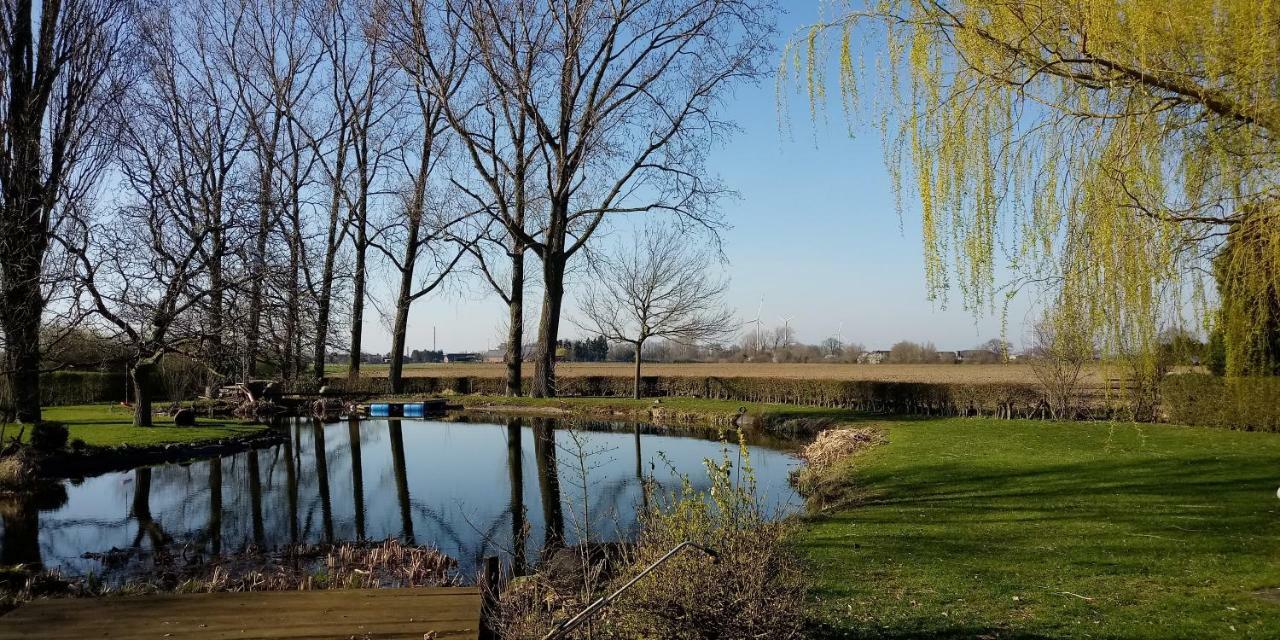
column 948, row 357
column 977, row 356
column 462, row 357
column 495, row 356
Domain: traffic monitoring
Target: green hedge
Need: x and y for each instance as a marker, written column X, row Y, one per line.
column 914, row 398
column 76, row 387
column 1251, row 404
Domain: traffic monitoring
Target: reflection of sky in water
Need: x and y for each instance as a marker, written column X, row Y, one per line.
column 446, row 484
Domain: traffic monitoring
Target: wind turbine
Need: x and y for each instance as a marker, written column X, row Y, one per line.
column 786, row 329
column 757, row 321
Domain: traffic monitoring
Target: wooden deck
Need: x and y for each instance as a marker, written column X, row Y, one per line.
column 451, row 613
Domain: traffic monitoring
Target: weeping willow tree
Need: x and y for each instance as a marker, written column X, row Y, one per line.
column 1109, row 148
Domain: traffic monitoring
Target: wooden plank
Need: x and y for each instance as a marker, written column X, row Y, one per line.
column 376, row 614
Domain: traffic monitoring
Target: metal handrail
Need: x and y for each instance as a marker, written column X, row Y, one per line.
column 572, row 623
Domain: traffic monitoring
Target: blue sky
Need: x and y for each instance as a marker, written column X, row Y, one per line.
column 814, row 232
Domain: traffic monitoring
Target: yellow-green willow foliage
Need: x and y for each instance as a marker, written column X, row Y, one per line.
column 1107, row 148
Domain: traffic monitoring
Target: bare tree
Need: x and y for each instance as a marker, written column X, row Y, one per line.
column 620, row 103
column 1060, row 348
column 660, row 287
column 62, row 73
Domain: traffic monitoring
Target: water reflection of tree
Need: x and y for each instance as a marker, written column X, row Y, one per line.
column 20, row 514
column 357, row 475
column 402, row 480
column 544, row 449
column 255, row 498
column 141, row 511
column 322, row 478
column 515, row 475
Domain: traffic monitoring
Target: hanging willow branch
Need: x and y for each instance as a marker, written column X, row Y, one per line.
column 1111, row 148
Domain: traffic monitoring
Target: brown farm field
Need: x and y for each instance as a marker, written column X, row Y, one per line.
column 971, row 373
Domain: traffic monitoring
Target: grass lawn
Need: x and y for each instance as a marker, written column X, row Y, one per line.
column 974, row 528
column 110, row 425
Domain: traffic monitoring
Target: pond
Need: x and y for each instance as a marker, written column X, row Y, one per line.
column 468, row 488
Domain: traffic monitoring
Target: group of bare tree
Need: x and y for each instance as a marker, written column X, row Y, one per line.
column 220, row 179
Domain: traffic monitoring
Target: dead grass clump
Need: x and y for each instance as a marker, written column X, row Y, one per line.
column 834, row 445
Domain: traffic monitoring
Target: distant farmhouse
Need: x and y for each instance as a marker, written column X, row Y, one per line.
column 948, row 357
column 461, row 357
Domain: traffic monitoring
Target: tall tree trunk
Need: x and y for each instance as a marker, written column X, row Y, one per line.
column 142, row 375
column 404, row 299
column 253, row 332
column 544, row 365
column 213, row 341
column 24, row 236
column 515, row 325
column 639, row 357
column 324, row 300
column 22, row 354
column 358, row 284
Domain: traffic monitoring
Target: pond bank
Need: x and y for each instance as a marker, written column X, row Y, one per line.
column 102, row 438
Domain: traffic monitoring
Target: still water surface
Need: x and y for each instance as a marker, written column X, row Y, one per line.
column 461, row 487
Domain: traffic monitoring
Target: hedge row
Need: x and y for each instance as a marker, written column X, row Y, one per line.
column 1251, row 404
column 76, row 387
column 916, row 398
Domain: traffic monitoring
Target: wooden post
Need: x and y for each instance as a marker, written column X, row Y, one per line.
column 490, row 590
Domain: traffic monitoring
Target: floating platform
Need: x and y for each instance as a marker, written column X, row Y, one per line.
column 411, row 614
column 415, row 409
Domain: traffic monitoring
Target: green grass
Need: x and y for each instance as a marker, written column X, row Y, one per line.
column 109, row 425
column 689, row 406
column 974, row 528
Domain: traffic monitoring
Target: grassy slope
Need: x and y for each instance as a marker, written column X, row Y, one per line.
column 110, row 425
column 980, row 528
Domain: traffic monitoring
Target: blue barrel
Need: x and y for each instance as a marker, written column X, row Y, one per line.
column 380, row 410
column 415, row 409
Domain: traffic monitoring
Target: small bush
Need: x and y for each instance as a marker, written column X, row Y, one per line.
column 753, row 586
column 49, row 436
column 78, row 444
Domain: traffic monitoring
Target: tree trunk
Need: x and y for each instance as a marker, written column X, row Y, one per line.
column 213, row 343
column 543, row 384
column 395, row 372
column 357, row 293
column 141, row 376
column 515, row 325
column 404, row 299
column 253, row 331
column 639, row 351
column 22, row 356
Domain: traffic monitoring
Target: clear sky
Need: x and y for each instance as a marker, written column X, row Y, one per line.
column 814, row 232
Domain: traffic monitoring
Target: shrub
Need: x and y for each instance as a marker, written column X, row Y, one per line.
column 1249, row 404
column 49, row 436
column 753, row 588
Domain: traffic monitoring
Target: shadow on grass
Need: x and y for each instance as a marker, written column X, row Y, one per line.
column 958, row 632
column 1181, row 536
